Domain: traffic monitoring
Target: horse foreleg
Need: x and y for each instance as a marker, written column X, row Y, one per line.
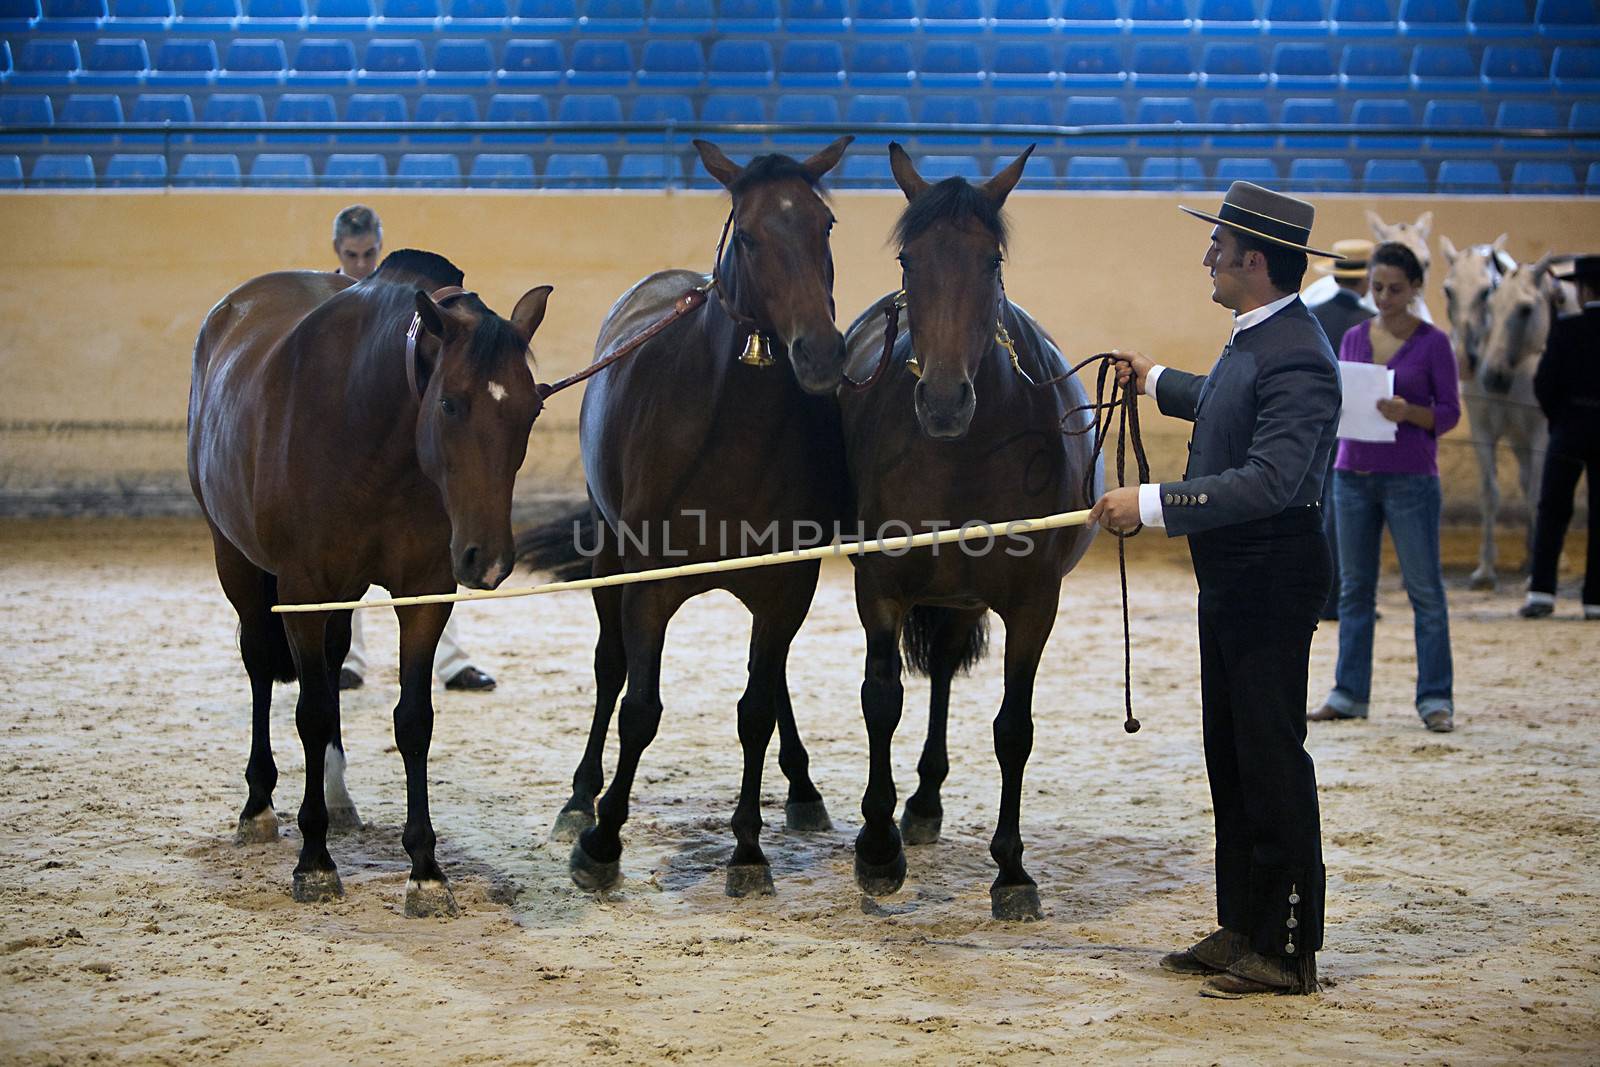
column 610, row 672
column 315, row 876
column 803, row 809
column 265, row 651
column 1530, row 453
column 342, row 815
column 1014, row 895
column 1483, row 443
column 880, row 857
column 427, row 890
column 923, row 816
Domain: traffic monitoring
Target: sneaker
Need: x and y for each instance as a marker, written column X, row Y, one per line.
column 470, row 679
column 1441, row 721
column 349, row 679
column 1537, row 609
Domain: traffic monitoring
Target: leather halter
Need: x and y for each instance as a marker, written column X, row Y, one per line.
column 441, row 297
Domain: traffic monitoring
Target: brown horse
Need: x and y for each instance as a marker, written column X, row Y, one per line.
column 972, row 439
column 330, row 453
column 690, row 453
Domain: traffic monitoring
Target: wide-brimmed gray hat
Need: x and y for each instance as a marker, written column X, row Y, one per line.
column 1260, row 212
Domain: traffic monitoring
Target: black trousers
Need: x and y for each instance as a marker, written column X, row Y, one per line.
column 1564, row 464
column 1262, row 587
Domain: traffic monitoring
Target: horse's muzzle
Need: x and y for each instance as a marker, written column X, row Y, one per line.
column 818, row 362
column 945, row 414
column 476, row 568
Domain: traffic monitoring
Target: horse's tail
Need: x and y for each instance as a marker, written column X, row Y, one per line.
column 927, row 629
column 557, row 546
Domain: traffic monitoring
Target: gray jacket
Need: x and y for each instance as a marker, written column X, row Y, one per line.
column 1338, row 314
column 1264, row 421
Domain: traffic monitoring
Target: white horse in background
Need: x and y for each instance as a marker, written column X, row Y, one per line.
column 1414, row 235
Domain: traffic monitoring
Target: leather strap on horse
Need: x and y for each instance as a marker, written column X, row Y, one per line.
column 891, row 331
column 684, row 304
column 413, row 331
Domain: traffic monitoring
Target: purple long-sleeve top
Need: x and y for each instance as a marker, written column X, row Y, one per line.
column 1424, row 374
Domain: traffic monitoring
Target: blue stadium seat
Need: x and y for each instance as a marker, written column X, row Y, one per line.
column 1524, row 115
column 1498, row 18
column 964, row 111
column 115, row 63
column 811, row 64
column 1233, row 18
column 351, row 169
column 461, row 62
column 1233, row 66
column 208, row 169
column 1296, row 18
column 866, row 172
column 1093, row 66
column 1374, row 66
column 1572, row 19
column 1096, row 17
column 18, row 109
column 664, row 107
column 1576, row 69
column 1163, row 66
column 600, row 64
column 71, row 16
column 274, row 16
column 397, row 63
column 1166, row 172
column 1443, row 68
column 498, row 170
column 740, row 65
column 374, row 108
column 544, row 16
column 1431, row 18
column 1167, row 111
column 747, row 16
column 938, row 168
column 576, row 170
column 253, row 62
column 1394, row 176
column 232, row 107
column 1543, row 178
column 323, row 61
column 409, row 17
column 46, row 64
column 516, row 107
column 880, row 65
column 1159, row 16
column 601, row 107
column 10, row 172
column 1515, row 69
column 1320, row 176
column 303, row 107
column 815, row 16
column 884, row 16
column 1247, row 111
column 1476, row 176
column 57, row 171
column 681, row 16
column 1376, row 114
column 1311, row 112
column 1455, row 115
column 1022, row 17
column 478, row 16
column 90, row 109
column 141, row 16
column 804, row 109
column 532, row 61
column 672, row 64
column 135, row 171
column 162, row 107
column 449, row 108
column 184, row 62
column 18, row 16
column 341, row 16
column 731, row 108
column 869, row 112
column 649, row 170
column 1023, row 65
column 1363, row 18
column 281, row 170
column 951, row 64
column 215, row 16
column 1592, row 184
column 1019, row 110
column 431, row 170
column 955, row 16
column 1585, row 120
column 620, row 17
column 1098, row 172
column 1232, row 169
column 1303, row 66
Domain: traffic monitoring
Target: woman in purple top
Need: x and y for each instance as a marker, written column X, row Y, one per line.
column 1395, row 484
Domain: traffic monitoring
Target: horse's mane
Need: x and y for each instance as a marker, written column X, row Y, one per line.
column 430, row 266
column 952, row 200
column 771, row 168
column 393, row 289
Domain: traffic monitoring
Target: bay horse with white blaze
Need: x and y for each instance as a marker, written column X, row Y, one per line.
column 331, row 450
column 956, row 429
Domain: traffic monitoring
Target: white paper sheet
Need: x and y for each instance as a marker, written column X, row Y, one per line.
column 1363, row 385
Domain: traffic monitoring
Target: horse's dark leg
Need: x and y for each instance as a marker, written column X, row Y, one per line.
column 427, row 891
column 1014, row 894
column 923, row 816
column 610, row 672
column 341, row 809
column 1530, row 453
column 803, row 810
column 880, row 859
column 596, row 861
column 315, row 876
column 265, row 651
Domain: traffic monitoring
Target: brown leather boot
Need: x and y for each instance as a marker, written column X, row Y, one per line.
column 1256, row 975
column 1212, row 954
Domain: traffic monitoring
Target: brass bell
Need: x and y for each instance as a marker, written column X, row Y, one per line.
column 755, row 351
column 914, row 367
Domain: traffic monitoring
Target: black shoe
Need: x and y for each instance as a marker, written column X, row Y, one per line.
column 1213, row 954
column 1258, row 975
column 1537, row 609
column 349, row 679
column 470, row 679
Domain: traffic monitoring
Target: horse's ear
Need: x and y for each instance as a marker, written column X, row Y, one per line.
column 1448, row 247
column 1379, row 227
column 423, row 355
column 905, row 172
column 1424, row 223
column 431, row 314
column 1499, row 244
column 828, row 158
column 529, row 312
column 718, row 165
column 999, row 187
column 1538, row 270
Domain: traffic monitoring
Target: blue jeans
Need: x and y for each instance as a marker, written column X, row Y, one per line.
column 1409, row 505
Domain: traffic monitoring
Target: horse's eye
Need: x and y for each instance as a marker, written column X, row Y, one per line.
column 448, row 406
column 743, row 239
column 994, row 264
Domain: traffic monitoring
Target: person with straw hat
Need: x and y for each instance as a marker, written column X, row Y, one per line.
column 1264, row 424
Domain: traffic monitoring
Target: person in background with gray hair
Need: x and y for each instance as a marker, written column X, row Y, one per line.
column 358, row 242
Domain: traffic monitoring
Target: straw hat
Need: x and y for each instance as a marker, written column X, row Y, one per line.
column 1260, row 212
column 1355, row 254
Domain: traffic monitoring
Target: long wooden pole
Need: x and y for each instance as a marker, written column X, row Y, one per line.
column 969, row 532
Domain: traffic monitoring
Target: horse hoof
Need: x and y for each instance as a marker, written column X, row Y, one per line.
column 919, row 829
column 258, row 829
column 344, row 820
column 590, row 874
column 806, row 816
column 314, row 887
column 881, row 879
column 569, row 824
column 750, row 880
column 1015, row 903
column 431, row 899
column 1483, row 581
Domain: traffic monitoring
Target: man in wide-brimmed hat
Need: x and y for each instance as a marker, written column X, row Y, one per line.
column 1264, row 423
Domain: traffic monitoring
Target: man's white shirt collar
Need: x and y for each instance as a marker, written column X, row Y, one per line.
column 1260, row 315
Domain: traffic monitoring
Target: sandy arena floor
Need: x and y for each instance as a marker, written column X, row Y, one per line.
column 1464, row 869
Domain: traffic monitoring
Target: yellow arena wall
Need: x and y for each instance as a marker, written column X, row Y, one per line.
column 107, row 291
